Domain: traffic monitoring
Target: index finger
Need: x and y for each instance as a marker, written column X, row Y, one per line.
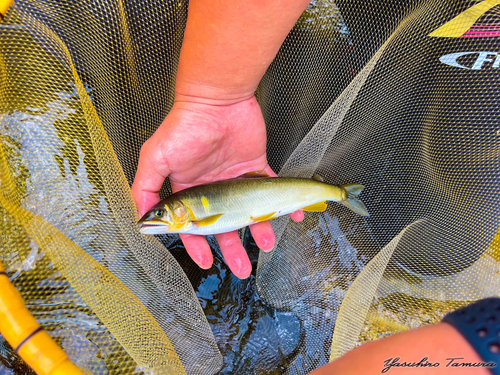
column 151, row 173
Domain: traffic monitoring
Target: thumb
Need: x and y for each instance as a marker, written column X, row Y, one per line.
column 151, row 174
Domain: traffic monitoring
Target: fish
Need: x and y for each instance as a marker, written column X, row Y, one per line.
column 227, row 205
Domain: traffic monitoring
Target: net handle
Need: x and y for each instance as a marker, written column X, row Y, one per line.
column 4, row 7
column 27, row 336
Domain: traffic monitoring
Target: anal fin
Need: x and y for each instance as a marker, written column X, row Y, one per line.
column 316, row 207
column 208, row 220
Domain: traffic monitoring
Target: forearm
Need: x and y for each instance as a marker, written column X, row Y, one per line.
column 228, row 45
column 438, row 343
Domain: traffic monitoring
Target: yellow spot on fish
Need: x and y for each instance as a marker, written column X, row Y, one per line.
column 204, row 201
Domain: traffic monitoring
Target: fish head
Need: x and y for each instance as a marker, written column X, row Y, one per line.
column 158, row 220
column 170, row 217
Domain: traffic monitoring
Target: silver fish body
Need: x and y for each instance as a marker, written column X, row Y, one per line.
column 227, row 205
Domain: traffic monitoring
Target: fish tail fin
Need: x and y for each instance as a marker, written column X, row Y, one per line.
column 352, row 202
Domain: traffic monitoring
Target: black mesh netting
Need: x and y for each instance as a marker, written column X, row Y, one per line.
column 398, row 96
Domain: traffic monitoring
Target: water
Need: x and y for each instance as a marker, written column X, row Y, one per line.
column 254, row 337
column 55, row 171
column 54, row 167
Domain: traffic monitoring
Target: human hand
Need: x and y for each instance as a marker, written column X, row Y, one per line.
column 201, row 143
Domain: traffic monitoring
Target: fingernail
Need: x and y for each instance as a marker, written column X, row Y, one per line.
column 241, row 268
column 268, row 250
column 244, row 272
column 267, row 242
column 204, row 263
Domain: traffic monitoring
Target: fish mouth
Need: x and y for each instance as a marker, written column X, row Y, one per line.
column 153, row 228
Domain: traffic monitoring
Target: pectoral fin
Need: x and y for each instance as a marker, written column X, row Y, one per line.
column 316, row 207
column 263, row 218
column 208, row 220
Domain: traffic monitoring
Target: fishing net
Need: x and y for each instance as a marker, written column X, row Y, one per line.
column 398, row 96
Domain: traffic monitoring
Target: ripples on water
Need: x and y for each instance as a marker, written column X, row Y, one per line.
column 49, row 166
column 45, row 156
column 253, row 337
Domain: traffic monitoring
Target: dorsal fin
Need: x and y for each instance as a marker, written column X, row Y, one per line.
column 255, row 174
column 318, row 178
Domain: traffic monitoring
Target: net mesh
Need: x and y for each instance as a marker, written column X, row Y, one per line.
column 400, row 97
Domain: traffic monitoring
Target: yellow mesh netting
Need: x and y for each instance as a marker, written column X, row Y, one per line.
column 402, row 98
column 61, row 148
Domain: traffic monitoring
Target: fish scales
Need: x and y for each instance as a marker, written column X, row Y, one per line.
column 259, row 198
column 232, row 204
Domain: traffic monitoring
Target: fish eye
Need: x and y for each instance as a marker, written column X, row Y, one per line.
column 159, row 213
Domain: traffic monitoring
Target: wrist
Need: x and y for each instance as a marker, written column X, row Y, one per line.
column 205, row 93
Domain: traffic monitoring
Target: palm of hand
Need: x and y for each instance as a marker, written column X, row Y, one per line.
column 212, row 143
column 200, row 143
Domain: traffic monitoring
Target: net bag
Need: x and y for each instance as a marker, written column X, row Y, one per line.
column 400, row 97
